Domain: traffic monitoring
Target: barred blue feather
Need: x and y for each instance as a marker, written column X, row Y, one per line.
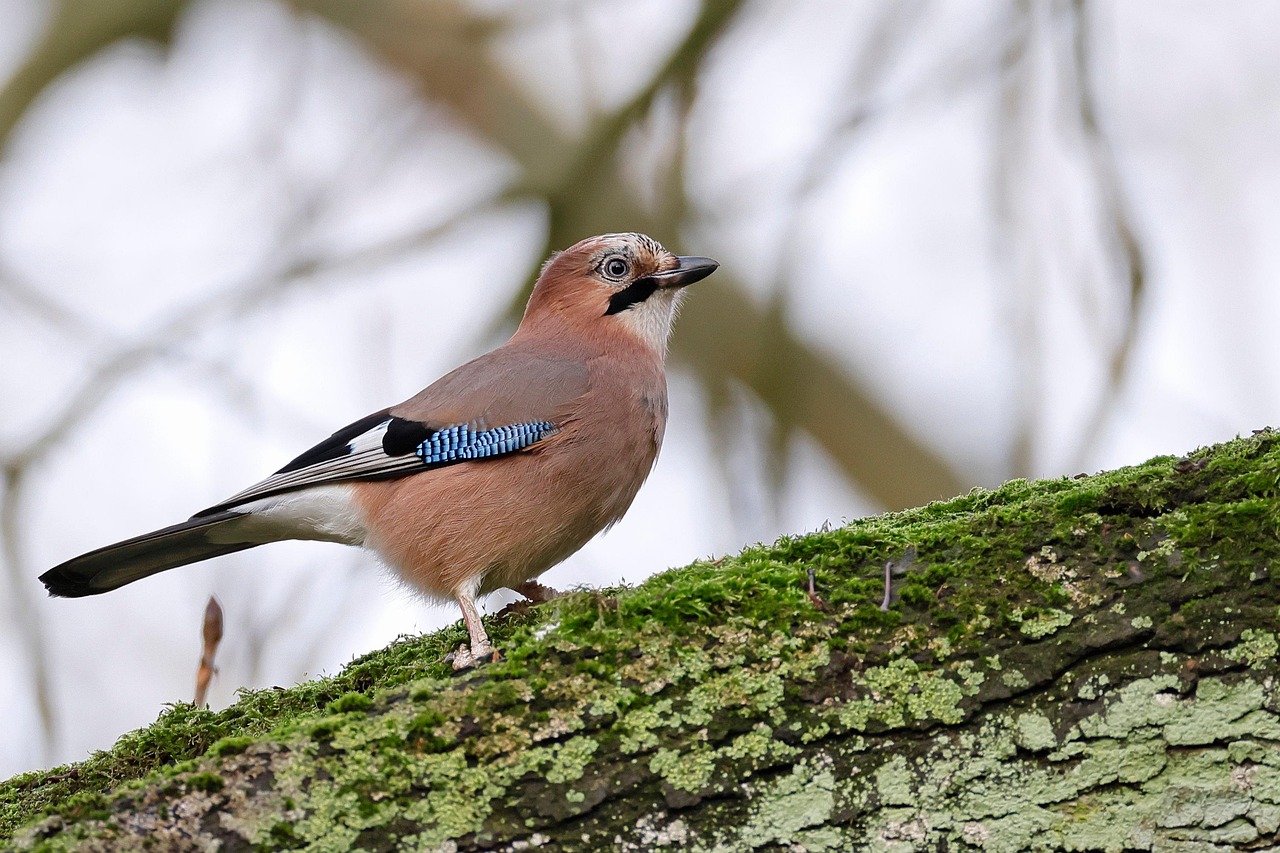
column 459, row 443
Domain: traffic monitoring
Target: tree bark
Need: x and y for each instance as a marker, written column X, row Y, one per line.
column 1077, row 664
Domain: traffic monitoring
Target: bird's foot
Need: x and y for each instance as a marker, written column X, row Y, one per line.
column 467, row 656
column 536, row 592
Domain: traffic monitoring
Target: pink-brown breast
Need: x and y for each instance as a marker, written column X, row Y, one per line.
column 503, row 521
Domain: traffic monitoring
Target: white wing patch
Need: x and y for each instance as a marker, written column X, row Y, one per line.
column 325, row 513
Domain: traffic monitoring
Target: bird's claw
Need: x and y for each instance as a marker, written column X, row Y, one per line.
column 536, row 592
column 465, row 656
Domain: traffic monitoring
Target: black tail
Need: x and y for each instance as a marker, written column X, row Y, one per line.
column 133, row 559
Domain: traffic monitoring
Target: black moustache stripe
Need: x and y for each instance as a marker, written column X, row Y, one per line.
column 634, row 293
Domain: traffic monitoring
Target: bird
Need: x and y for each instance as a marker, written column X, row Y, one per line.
column 491, row 475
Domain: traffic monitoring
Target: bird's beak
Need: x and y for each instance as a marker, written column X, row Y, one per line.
column 691, row 269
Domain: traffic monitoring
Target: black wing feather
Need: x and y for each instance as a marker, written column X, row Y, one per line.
column 336, row 445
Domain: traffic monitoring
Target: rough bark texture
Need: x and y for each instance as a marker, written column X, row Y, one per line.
column 1082, row 664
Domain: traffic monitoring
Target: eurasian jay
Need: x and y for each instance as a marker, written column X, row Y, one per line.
column 493, row 474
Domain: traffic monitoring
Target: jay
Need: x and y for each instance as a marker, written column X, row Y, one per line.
column 491, row 475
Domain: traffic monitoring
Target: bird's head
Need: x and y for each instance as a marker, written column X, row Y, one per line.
column 624, row 284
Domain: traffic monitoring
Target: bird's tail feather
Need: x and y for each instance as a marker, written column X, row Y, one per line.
column 133, row 559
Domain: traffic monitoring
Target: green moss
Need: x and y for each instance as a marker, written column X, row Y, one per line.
column 350, row 702
column 726, row 670
column 231, row 745
column 207, row 782
column 183, row 731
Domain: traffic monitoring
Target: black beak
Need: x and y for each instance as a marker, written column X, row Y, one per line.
column 691, row 269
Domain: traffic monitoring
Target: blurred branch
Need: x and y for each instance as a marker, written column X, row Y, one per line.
column 1018, row 252
column 31, row 300
column 937, row 87
column 445, row 46
column 243, row 395
column 725, row 334
column 76, row 30
column 1036, row 30
column 805, row 389
column 1123, row 249
column 30, row 631
column 592, row 192
column 880, row 49
column 223, row 305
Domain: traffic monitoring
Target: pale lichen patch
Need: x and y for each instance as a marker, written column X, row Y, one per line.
column 1034, row 732
column 802, row 799
column 1258, row 648
column 689, row 770
column 1043, row 624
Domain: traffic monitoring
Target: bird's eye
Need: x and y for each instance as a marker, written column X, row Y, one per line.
column 616, row 268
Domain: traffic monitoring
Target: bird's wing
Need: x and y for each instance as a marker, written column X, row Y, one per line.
column 500, row 403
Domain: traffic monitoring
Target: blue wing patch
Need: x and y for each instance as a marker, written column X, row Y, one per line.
column 458, row 443
column 386, row 450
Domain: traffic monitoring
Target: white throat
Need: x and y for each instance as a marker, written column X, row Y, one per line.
column 652, row 319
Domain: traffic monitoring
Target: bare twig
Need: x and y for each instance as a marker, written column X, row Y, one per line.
column 212, row 636
column 896, row 567
column 818, row 601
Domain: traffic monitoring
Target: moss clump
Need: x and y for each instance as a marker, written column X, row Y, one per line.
column 208, row 782
column 231, row 745
column 350, row 702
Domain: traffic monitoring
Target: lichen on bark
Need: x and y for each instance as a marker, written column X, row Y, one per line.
column 1075, row 664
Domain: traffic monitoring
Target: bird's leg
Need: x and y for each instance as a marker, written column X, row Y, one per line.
column 480, row 647
column 536, row 592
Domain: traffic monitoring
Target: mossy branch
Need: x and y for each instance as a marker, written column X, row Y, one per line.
column 1084, row 664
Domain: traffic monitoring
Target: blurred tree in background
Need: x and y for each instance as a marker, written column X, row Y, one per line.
column 937, row 222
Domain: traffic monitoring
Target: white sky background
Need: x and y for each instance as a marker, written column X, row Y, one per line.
column 151, row 191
